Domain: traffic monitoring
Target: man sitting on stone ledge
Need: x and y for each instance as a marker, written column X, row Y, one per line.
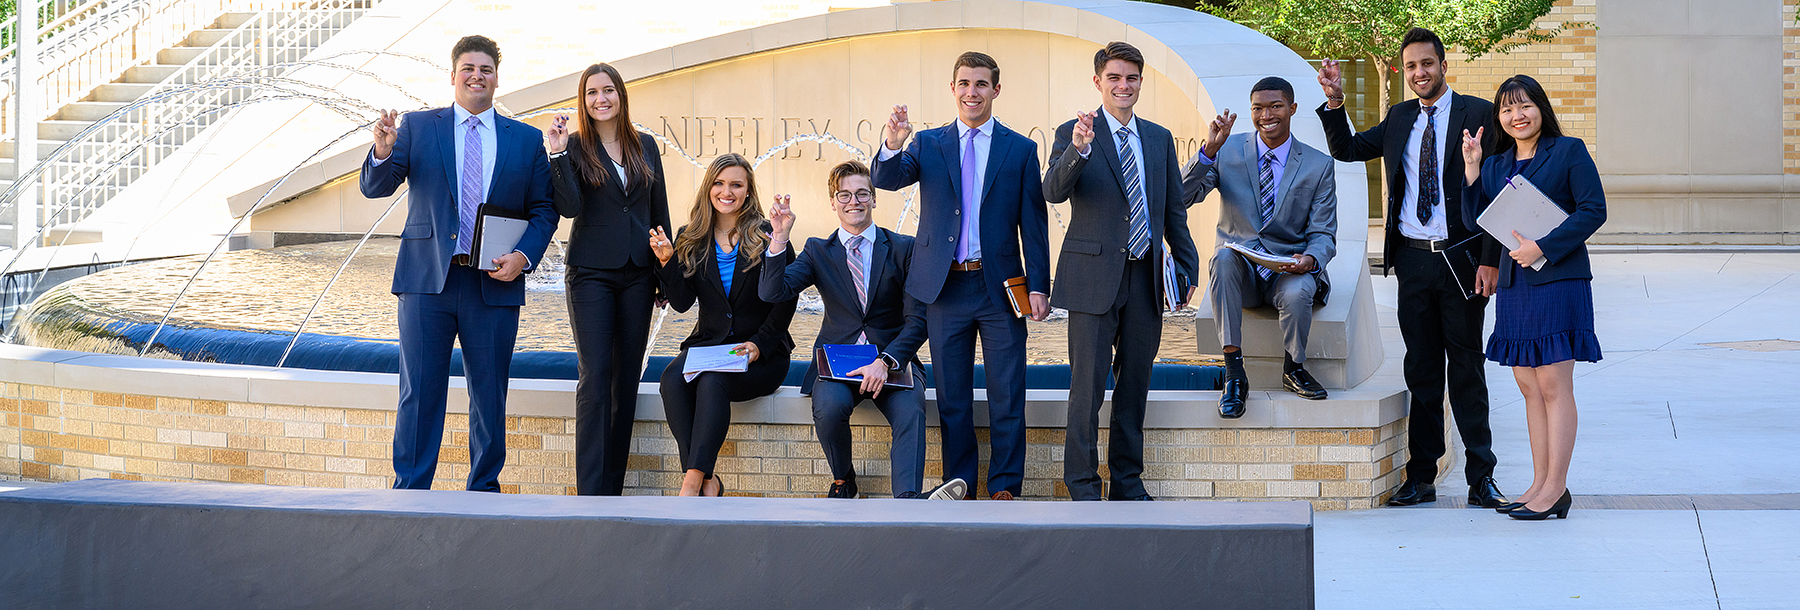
column 1279, row 197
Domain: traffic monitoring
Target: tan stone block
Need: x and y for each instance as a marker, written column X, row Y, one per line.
column 324, row 415
column 364, row 417
column 1053, row 436
column 1360, row 437
column 337, row 480
column 125, row 448
column 1266, row 471
column 1240, row 489
column 304, row 429
column 1182, row 455
column 210, row 407
column 228, row 425
column 1345, row 454
column 756, row 482
column 368, row 450
column 1360, row 472
column 524, row 441
column 246, row 475
column 174, row 405
column 1265, row 437
column 261, row 427
column 77, row 460
column 560, row 476
column 344, row 465
column 244, row 410
column 34, row 407
column 284, row 444
column 91, row 445
column 284, row 413
column 1293, row 455
column 379, row 435
column 279, row 477
column 193, row 454
column 108, row 399
column 175, row 470
column 1293, row 489
column 787, row 466
column 1208, row 471
column 1319, row 437
column 340, row 432
column 638, row 461
column 157, row 451
column 541, row 425
column 230, row 457
column 264, row 459
column 1319, row 472
column 761, row 449
column 78, row 427
column 33, row 470
column 243, row 441
column 1343, row 489
column 305, row 462
column 324, row 447
column 1240, row 455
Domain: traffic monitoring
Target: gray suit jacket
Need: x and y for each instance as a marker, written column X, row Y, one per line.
column 1093, row 250
column 1305, row 219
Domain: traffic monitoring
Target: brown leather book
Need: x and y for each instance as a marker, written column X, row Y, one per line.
column 1020, row 297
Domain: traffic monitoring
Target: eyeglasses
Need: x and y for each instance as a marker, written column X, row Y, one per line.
column 861, row 195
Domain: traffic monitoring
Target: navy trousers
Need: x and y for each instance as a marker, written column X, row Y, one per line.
column 962, row 311
column 430, row 324
column 834, row 401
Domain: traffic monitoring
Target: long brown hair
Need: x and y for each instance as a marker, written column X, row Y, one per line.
column 693, row 247
column 588, row 162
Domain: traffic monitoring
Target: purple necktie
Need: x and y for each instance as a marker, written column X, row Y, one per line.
column 971, row 196
column 471, row 186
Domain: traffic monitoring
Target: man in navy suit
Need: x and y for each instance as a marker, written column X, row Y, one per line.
column 860, row 271
column 454, row 160
column 981, row 199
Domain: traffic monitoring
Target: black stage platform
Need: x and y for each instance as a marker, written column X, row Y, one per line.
column 121, row 544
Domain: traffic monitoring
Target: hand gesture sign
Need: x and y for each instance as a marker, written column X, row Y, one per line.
column 556, row 138
column 660, row 246
column 1083, row 134
column 898, row 129
column 387, row 131
column 1331, row 78
column 781, row 217
column 1471, row 152
column 1217, row 131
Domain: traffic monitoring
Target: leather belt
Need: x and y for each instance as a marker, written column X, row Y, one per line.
column 461, row 260
column 1427, row 245
column 968, row 265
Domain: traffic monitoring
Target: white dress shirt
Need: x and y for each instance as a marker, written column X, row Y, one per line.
column 1409, row 165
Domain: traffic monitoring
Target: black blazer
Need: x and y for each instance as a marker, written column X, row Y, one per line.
column 894, row 320
column 1564, row 171
column 729, row 318
column 1093, row 251
column 1388, row 141
column 612, row 225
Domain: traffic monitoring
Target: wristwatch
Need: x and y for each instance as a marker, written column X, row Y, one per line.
column 892, row 364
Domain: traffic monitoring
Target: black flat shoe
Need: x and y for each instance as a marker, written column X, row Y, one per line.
column 1485, row 494
column 1560, row 509
column 1413, row 493
column 1231, row 402
column 846, row 489
column 1509, row 507
column 1302, row 383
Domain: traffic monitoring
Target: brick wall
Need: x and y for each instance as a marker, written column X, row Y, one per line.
column 61, row 435
column 1790, row 75
column 1564, row 66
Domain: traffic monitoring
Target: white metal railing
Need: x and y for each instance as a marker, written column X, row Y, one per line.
column 95, row 41
column 112, row 153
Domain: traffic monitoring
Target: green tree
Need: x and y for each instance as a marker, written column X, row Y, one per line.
column 1373, row 28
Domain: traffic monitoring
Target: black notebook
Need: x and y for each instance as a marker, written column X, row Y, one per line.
column 1463, row 259
column 497, row 233
column 835, row 361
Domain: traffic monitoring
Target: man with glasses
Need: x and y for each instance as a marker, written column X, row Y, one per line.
column 861, row 272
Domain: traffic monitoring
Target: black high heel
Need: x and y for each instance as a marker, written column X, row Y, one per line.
column 1509, row 507
column 1560, row 509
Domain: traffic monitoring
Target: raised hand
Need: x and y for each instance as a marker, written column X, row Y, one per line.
column 781, row 217
column 387, row 131
column 897, row 129
column 1471, row 151
column 1217, row 131
column 1331, row 79
column 556, row 138
column 1083, row 134
column 660, row 246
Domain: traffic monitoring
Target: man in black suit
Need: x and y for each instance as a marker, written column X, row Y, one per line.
column 1423, row 163
column 861, row 274
column 1125, row 191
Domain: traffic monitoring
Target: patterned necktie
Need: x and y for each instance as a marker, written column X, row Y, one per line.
column 1428, row 167
column 471, row 186
column 1140, row 216
column 1266, row 199
column 971, row 195
column 859, row 277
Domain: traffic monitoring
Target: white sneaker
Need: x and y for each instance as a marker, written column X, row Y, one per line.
column 954, row 489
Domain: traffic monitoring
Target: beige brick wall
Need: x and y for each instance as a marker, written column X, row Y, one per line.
column 1564, row 66
column 1790, row 75
column 61, row 435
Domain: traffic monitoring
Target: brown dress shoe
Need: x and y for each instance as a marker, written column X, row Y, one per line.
column 1003, row 495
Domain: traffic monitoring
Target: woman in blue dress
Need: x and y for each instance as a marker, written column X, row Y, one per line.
column 1543, row 318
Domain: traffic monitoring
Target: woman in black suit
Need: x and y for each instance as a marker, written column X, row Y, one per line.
column 1543, row 318
column 609, row 179
column 713, row 260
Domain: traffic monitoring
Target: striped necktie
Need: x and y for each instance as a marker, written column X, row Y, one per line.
column 860, row 277
column 1140, row 216
column 471, row 186
column 1266, row 200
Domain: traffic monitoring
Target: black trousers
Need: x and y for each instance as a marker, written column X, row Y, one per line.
column 1131, row 329
column 609, row 312
column 1442, row 331
column 834, row 401
column 699, row 412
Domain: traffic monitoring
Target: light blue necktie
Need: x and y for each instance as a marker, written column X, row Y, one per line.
column 471, row 187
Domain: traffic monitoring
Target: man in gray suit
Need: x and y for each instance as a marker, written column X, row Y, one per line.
column 1124, row 186
column 1280, row 197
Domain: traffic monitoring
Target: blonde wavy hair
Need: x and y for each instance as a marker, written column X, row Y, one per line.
column 693, row 247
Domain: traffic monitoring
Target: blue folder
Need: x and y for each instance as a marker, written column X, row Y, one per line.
column 835, row 361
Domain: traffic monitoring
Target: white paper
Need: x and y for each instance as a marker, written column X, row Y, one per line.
column 1171, row 281
column 1522, row 207
column 499, row 237
column 1272, row 261
column 714, row 359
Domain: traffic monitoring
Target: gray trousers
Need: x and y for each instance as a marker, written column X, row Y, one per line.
column 1236, row 285
column 1121, row 342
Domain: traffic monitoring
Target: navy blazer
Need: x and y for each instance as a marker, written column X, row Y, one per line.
column 612, row 224
column 894, row 321
column 729, row 318
column 1565, row 172
column 424, row 158
column 1013, row 213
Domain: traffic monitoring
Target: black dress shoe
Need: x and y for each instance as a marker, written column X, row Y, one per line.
column 1509, row 507
column 910, row 495
column 846, row 489
column 1301, row 382
column 1560, row 509
column 1231, row 402
column 1486, row 494
column 1413, row 493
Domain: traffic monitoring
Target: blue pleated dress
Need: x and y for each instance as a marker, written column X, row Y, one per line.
column 1536, row 325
